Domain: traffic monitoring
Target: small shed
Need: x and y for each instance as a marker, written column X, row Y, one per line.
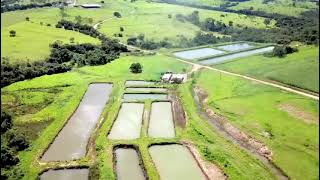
column 166, row 77
column 91, row 6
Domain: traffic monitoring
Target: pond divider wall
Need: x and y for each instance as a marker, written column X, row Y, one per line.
column 84, row 145
column 128, row 146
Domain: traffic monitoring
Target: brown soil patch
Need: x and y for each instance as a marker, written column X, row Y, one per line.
column 195, row 68
column 299, row 113
column 178, row 112
column 211, row 170
column 234, row 132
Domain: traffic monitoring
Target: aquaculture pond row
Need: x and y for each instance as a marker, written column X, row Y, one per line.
column 223, row 53
column 172, row 161
column 71, row 142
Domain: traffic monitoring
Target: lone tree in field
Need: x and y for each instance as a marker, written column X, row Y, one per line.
column 27, row 19
column 121, row 29
column 136, row 68
column 12, row 33
column 117, row 14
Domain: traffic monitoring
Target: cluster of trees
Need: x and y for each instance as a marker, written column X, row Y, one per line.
column 143, row 43
column 200, row 38
column 6, row 8
column 304, row 28
column 82, row 28
column 12, row 72
column 86, row 54
column 12, row 141
column 282, row 51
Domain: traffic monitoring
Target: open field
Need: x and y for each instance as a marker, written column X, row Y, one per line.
column 32, row 40
column 284, row 7
column 298, row 69
column 270, row 116
column 69, row 88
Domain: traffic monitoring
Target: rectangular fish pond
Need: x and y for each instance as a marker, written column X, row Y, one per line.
column 65, row 174
column 234, row 56
column 161, row 123
column 235, row 47
column 128, row 123
column 197, row 53
column 128, row 164
column 71, row 142
column 139, row 83
column 175, row 161
column 144, row 96
column 146, row 90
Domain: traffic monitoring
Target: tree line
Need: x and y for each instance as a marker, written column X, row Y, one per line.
column 303, row 29
column 7, row 8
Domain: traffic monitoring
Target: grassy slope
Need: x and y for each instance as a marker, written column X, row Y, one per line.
column 277, row 6
column 139, row 17
column 152, row 20
column 32, row 40
column 300, row 69
column 219, row 150
column 254, row 108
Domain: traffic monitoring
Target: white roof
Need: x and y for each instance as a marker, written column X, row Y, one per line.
column 166, row 76
column 91, row 5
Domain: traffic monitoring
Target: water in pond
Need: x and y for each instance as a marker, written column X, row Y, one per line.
column 236, row 55
column 235, row 47
column 147, row 90
column 138, row 83
column 72, row 140
column 161, row 122
column 198, row 53
column 137, row 97
column 128, row 165
column 175, row 162
column 128, row 122
column 66, row 174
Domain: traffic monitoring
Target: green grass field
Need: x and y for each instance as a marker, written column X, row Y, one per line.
column 278, row 6
column 139, row 17
column 255, row 109
column 32, row 40
column 152, row 20
column 68, row 88
column 285, row 7
column 299, row 69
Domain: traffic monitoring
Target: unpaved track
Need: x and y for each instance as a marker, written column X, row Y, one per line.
column 254, row 79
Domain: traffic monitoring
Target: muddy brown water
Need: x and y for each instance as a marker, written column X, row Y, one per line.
column 142, row 97
column 65, row 174
column 128, row 164
column 72, row 140
column 175, row 161
column 197, row 53
column 128, row 123
column 235, row 55
column 161, row 123
column 146, row 90
column 138, row 83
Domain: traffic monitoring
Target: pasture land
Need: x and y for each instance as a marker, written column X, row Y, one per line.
column 299, row 69
column 285, row 122
column 32, row 40
column 65, row 91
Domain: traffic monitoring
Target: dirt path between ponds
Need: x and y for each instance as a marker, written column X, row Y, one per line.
column 212, row 171
column 179, row 115
column 229, row 132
